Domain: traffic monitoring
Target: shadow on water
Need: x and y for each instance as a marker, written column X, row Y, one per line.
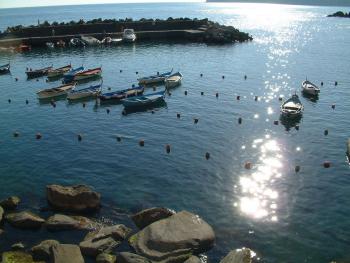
column 157, row 106
column 289, row 123
column 312, row 98
column 50, row 100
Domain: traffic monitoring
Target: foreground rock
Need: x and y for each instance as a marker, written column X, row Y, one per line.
column 118, row 232
column 151, row 215
column 105, row 258
column 17, row 257
column 126, row 257
column 25, row 219
column 42, row 250
column 79, row 198
column 244, row 255
column 64, row 253
column 174, row 239
column 193, row 259
column 59, row 222
column 10, row 203
column 93, row 247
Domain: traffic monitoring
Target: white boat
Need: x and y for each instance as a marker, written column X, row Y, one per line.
column 55, row 92
column 92, row 91
column 90, row 41
column 50, row 45
column 310, row 88
column 111, row 41
column 154, row 78
column 129, row 36
column 292, row 107
column 76, row 42
column 173, row 80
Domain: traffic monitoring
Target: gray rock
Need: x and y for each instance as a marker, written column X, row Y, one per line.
column 59, row 222
column 238, row 256
column 93, row 247
column 193, row 259
column 64, row 253
column 151, row 215
column 17, row 257
column 1, row 214
column 42, row 250
column 174, row 239
column 10, row 202
column 25, row 219
column 105, row 258
column 118, row 232
column 78, row 198
column 126, row 257
column 17, row 246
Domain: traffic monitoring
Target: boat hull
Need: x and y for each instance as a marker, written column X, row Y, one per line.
column 118, row 96
column 85, row 77
column 38, row 73
column 54, row 92
column 82, row 95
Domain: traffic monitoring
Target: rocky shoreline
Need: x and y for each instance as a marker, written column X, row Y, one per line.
column 163, row 235
column 340, row 14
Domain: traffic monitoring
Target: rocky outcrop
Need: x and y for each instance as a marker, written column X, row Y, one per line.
column 10, row 203
column 59, row 222
column 244, row 255
column 42, row 250
column 340, row 14
column 105, row 258
column 78, row 198
column 17, row 257
column 118, row 232
column 151, row 215
column 193, row 259
column 126, row 257
column 65, row 253
column 25, row 219
column 93, row 247
column 219, row 34
column 174, row 239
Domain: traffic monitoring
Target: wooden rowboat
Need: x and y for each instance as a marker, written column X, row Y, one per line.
column 88, row 74
column 292, row 107
column 173, row 80
column 121, row 94
column 309, row 88
column 144, row 101
column 55, row 92
column 92, row 91
column 158, row 78
column 38, row 72
column 59, row 72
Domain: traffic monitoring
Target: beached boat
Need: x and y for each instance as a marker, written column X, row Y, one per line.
column 59, row 72
column 92, row 91
column 38, row 72
column 69, row 76
column 121, row 94
column 90, row 41
column 88, row 74
column 292, row 107
column 158, row 78
column 129, row 36
column 55, row 92
column 144, row 100
column 310, row 88
column 173, row 80
column 5, row 68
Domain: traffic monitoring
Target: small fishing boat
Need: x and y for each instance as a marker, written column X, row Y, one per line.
column 69, row 76
column 173, row 80
column 38, row 72
column 158, row 78
column 55, row 92
column 76, row 42
column 292, row 107
column 309, row 88
column 144, row 100
column 5, row 68
column 88, row 74
column 121, row 94
column 129, row 36
column 90, row 41
column 59, row 72
column 92, row 91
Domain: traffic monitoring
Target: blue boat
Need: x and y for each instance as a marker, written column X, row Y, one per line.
column 69, row 76
column 122, row 94
column 154, row 78
column 145, row 100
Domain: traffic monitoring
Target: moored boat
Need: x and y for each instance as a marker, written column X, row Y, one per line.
column 5, row 68
column 129, row 36
column 121, row 94
column 310, row 88
column 38, row 72
column 69, row 76
column 55, row 92
column 59, row 72
column 90, row 41
column 292, row 107
column 92, row 91
column 88, row 74
column 76, row 42
column 158, row 78
column 144, row 100
column 173, row 80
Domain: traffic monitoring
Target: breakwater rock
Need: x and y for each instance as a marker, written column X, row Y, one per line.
column 340, row 14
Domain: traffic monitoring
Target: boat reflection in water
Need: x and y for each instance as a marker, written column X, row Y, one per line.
column 259, row 198
column 289, row 123
column 312, row 98
column 156, row 106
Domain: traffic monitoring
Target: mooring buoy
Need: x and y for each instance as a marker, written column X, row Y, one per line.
column 201, row 75
column 326, row 132
column 37, row 80
column 27, row 101
column 38, row 136
column 322, row 83
column 256, row 98
column 16, row 79
column 80, row 137
column 207, row 155
column 124, row 112
column 333, row 106
column 327, row 164
column 336, row 83
column 238, row 97
column 297, row 168
column 178, row 115
column 297, row 127
column 152, row 111
column 142, row 143
column 119, row 138
column 108, row 111
column 15, row 134
column 185, row 92
column 9, row 100
column 109, row 88
column 223, row 77
column 245, row 76
column 84, row 104
column 202, row 93
column 167, row 148
column 280, row 98
column 195, row 120
column 120, row 71
column 239, row 120
column 275, row 122
column 137, row 72
column 217, row 94
column 248, row 165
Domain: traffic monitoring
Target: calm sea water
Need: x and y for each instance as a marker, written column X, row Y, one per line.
column 282, row 215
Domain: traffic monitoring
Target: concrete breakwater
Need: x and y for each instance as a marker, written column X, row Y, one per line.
column 182, row 29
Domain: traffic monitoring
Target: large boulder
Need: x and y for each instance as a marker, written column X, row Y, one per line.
column 78, row 198
column 105, row 258
column 59, row 222
column 42, row 250
column 10, row 202
column 193, row 259
column 174, row 239
column 244, row 255
column 25, row 219
column 93, row 247
column 17, row 257
column 151, row 215
column 118, row 232
column 65, row 253
column 126, row 257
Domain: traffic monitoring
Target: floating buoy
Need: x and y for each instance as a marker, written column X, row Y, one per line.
column 202, row 93
column 280, row 98
column 223, row 77
column 142, row 143
column 38, row 136
column 238, row 97
column 207, row 155
column 133, row 85
column 195, row 120
column 9, row 100
column 217, row 94
column 336, row 83
column 124, row 112
column 322, row 83
column 275, row 122
column 109, row 88
column 326, row 132
column 167, row 148
column 108, row 111
column 47, row 80
column 120, row 71
column 137, row 72
column 178, row 115
column 297, row 127
column 240, row 120
column 248, row 165
column 16, row 79
column 333, row 106
column 27, row 101
column 37, row 80
column 256, row 98
column 152, row 111
column 119, row 138
column 15, row 134
column 80, row 137
column 201, row 75
column 245, row 76
column 297, row 168
column 326, row 164
column 185, row 92
column 53, row 104
column 84, row 104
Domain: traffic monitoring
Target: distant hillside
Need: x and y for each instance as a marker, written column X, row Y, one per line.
column 292, row 2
